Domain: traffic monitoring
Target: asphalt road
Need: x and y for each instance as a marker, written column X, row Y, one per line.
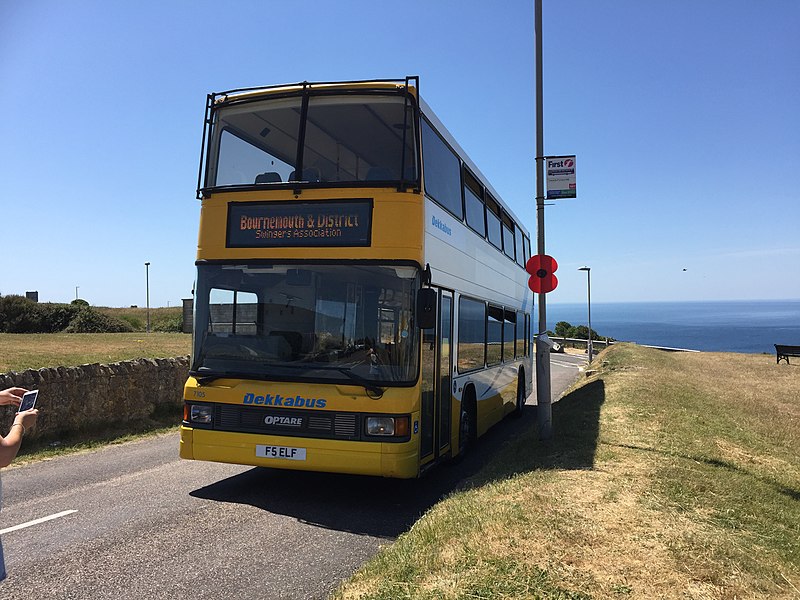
column 135, row 521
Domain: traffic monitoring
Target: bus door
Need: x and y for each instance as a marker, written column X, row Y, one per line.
column 437, row 369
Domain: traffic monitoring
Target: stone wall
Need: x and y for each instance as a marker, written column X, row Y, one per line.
column 95, row 397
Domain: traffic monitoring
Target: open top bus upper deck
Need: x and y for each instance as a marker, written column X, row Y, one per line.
column 358, row 134
column 324, row 135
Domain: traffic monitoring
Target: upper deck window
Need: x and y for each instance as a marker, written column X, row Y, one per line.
column 353, row 138
column 519, row 245
column 508, row 236
column 473, row 192
column 527, row 248
column 442, row 171
column 255, row 142
column 493, row 225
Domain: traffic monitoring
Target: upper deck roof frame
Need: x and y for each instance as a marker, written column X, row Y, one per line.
column 257, row 93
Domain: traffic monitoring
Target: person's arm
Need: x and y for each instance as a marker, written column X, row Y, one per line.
column 9, row 445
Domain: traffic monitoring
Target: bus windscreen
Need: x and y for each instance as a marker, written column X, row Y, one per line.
column 327, row 323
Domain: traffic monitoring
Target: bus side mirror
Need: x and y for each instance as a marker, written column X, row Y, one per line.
column 426, row 308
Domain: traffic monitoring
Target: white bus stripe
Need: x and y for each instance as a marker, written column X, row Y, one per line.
column 37, row 521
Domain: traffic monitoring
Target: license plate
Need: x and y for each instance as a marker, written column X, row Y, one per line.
column 284, row 452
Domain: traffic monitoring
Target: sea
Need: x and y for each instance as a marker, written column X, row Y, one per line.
column 730, row 326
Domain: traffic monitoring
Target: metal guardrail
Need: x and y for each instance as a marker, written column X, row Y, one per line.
column 582, row 343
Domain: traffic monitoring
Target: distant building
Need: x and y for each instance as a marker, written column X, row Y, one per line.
column 32, row 296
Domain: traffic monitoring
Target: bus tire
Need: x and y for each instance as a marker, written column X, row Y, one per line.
column 520, row 404
column 467, row 422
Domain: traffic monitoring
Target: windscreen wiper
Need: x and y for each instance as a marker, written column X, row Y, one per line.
column 206, row 377
column 368, row 385
column 365, row 383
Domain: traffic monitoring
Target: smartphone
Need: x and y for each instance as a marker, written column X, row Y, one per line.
column 28, row 400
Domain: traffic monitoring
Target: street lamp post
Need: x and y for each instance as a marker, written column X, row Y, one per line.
column 147, row 278
column 589, row 303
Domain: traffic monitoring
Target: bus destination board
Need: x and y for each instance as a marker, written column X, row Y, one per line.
column 289, row 224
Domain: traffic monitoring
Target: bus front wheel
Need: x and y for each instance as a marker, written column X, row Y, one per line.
column 467, row 425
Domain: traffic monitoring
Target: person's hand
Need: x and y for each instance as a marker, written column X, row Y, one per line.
column 27, row 418
column 12, row 396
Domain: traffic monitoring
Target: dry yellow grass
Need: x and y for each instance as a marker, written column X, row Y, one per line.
column 671, row 476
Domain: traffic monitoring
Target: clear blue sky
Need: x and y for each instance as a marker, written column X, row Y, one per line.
column 684, row 116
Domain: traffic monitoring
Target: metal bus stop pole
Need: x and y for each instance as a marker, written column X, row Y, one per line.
column 544, row 409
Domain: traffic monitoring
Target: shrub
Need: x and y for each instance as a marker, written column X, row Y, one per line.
column 90, row 321
column 134, row 321
column 562, row 329
column 581, row 332
column 578, row 332
column 56, row 317
column 79, row 302
column 19, row 315
column 169, row 324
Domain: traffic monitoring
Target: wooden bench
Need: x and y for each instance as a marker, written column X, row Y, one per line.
column 784, row 352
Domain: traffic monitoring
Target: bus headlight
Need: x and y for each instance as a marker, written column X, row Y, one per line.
column 388, row 426
column 380, row 426
column 200, row 413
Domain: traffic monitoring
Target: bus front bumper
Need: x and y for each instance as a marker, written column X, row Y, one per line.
column 330, row 456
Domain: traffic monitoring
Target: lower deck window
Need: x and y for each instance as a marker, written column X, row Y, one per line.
column 471, row 334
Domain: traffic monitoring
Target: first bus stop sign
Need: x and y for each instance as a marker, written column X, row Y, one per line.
column 561, row 177
column 542, row 268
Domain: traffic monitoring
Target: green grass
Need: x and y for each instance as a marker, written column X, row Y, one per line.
column 161, row 319
column 34, row 451
column 20, row 351
column 669, row 475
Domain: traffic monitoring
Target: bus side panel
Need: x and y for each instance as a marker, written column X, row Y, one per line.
column 495, row 390
column 462, row 261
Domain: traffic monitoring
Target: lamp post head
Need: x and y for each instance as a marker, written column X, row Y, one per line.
column 584, row 268
column 147, row 264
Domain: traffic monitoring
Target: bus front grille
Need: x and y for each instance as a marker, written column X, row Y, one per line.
column 287, row 422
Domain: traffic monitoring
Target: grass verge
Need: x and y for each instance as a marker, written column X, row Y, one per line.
column 166, row 421
column 76, row 444
column 669, row 476
column 20, row 351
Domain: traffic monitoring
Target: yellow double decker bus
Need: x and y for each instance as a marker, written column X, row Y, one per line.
column 361, row 302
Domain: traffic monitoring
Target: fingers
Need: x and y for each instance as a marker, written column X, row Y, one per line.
column 12, row 396
column 28, row 417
